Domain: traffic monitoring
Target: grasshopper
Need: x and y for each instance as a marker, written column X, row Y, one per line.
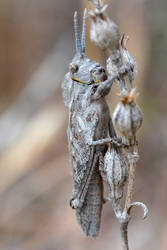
column 84, row 89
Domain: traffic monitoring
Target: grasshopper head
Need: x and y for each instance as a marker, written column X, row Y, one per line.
column 82, row 69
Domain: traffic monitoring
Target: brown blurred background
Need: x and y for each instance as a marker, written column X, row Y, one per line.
column 36, row 46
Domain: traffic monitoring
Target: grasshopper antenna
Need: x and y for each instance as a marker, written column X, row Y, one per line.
column 84, row 32
column 77, row 33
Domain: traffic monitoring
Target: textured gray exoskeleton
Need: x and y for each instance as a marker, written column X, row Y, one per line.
column 84, row 89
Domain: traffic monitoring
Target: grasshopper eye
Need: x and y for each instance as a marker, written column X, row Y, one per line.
column 73, row 68
column 99, row 74
column 101, row 70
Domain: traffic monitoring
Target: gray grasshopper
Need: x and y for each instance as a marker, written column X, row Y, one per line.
column 84, row 89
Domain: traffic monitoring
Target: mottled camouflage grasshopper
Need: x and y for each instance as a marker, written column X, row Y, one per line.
column 84, row 89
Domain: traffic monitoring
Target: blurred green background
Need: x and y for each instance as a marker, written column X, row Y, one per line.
column 36, row 46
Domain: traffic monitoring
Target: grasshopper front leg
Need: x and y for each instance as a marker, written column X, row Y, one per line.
column 104, row 88
column 116, row 141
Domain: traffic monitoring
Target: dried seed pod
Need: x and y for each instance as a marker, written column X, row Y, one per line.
column 115, row 172
column 104, row 32
column 129, row 64
column 114, row 63
column 114, row 67
column 122, row 63
column 127, row 115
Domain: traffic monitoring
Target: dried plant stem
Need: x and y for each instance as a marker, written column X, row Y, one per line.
column 130, row 186
column 128, row 203
column 124, row 234
column 127, row 116
column 124, row 219
column 124, row 222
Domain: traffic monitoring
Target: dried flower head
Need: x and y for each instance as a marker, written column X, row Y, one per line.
column 103, row 32
column 127, row 115
column 130, row 66
column 115, row 67
column 114, row 63
column 115, row 172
